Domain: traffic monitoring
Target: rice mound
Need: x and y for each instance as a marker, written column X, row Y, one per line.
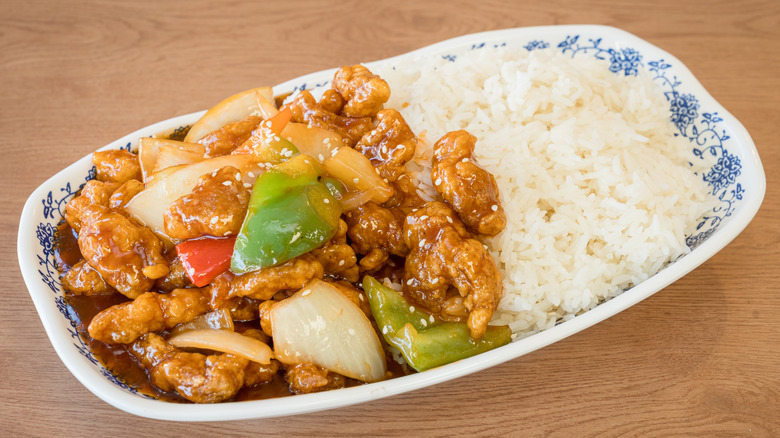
column 598, row 191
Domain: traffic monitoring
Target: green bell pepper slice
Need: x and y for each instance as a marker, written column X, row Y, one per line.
column 425, row 343
column 290, row 213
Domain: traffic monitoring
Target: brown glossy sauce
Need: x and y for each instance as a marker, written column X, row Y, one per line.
column 116, row 357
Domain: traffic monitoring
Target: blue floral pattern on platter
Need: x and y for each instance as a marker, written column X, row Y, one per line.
column 702, row 129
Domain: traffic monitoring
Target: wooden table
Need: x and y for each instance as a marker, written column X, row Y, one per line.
column 700, row 357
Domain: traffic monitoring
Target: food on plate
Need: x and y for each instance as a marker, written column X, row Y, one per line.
column 355, row 235
column 245, row 249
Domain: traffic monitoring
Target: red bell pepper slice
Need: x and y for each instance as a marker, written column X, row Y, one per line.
column 205, row 258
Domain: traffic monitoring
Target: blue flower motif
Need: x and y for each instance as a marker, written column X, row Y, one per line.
column 533, row 45
column 45, row 235
column 626, row 60
column 724, row 172
column 684, row 109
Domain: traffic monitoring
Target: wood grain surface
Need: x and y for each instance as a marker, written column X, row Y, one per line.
column 701, row 357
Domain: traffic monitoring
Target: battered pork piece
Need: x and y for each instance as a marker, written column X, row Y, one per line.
column 83, row 279
column 471, row 190
column 127, row 255
column 225, row 139
column 305, row 378
column 305, row 109
column 332, row 101
column 94, row 193
column 263, row 284
column 337, row 257
column 194, row 376
column 371, row 226
column 363, row 91
column 117, row 166
column 442, row 255
column 216, row 207
column 150, row 312
column 390, row 145
column 125, row 193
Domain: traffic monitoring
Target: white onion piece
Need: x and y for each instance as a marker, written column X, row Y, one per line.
column 148, row 206
column 149, row 150
column 357, row 173
column 316, row 142
column 319, row 325
column 232, row 109
column 169, row 156
column 267, row 108
column 225, row 342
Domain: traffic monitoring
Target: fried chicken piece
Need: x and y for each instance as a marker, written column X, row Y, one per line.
column 150, row 312
column 117, row 166
column 196, row 377
column 127, row 255
column 363, row 91
column 305, row 378
column 390, row 145
column 225, row 139
column 374, row 260
column 371, row 226
column 305, row 109
column 83, row 279
column 125, row 193
column 216, row 207
column 332, row 101
column 264, row 283
column 337, row 257
column 94, row 193
column 471, row 190
column 443, row 255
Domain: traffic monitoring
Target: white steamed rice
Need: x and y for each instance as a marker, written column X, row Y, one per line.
column 599, row 193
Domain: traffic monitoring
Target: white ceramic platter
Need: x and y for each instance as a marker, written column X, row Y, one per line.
column 737, row 179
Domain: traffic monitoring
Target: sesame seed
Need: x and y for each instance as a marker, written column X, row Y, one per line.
column 295, row 237
column 238, row 176
column 351, row 331
column 385, row 180
column 384, row 329
column 409, row 282
column 356, row 180
column 431, row 318
column 361, row 297
column 423, row 322
column 422, row 242
column 341, row 262
column 465, row 160
column 435, row 280
column 383, row 149
column 213, row 220
column 276, row 138
column 494, row 207
column 449, row 219
column 327, row 140
column 423, row 217
column 227, row 183
column 321, row 157
column 247, row 185
column 411, row 308
column 251, row 174
column 438, row 181
column 306, row 292
column 268, row 123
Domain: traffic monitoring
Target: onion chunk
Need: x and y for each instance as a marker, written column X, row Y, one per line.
column 319, row 325
column 226, row 342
